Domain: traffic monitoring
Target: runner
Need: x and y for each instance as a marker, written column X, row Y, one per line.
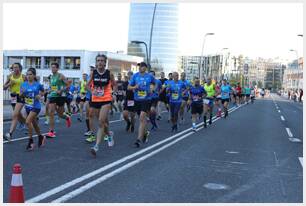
column 14, row 82
column 218, row 99
column 82, row 98
column 46, row 99
column 234, row 95
column 69, row 91
column 252, row 94
column 119, row 94
column 209, row 100
column 162, row 96
column 31, row 90
column 239, row 94
column 140, row 84
column 170, row 78
column 225, row 96
column 247, row 90
column 154, row 100
column 89, row 118
column 101, row 82
column 175, row 89
column 129, row 106
column 57, row 98
column 185, row 96
column 196, row 101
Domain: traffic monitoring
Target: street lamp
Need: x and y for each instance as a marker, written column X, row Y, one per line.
column 142, row 42
column 151, row 33
column 207, row 34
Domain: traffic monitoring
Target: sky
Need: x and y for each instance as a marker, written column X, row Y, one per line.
column 252, row 29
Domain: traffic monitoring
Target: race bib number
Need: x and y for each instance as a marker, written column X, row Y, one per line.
column 99, row 92
column 206, row 101
column 175, row 96
column 130, row 103
column 54, row 88
column 29, row 101
column 142, row 94
column 14, row 100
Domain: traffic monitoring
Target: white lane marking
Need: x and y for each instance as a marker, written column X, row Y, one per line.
column 279, row 111
column 106, row 167
column 292, row 139
column 22, row 138
column 301, row 160
column 282, row 118
column 289, row 132
column 93, row 183
column 231, row 152
column 276, row 160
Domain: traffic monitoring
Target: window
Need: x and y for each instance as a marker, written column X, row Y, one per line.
column 49, row 60
column 34, row 62
column 72, row 63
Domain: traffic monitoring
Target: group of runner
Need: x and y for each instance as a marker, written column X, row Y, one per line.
column 140, row 93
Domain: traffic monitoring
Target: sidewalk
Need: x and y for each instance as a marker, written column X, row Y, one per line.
column 8, row 112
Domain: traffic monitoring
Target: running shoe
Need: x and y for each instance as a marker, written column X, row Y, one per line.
column 50, row 134
column 68, row 122
column 8, row 136
column 137, row 143
column 79, row 119
column 41, row 141
column 88, row 133
column 91, row 139
column 159, row 117
column 30, row 145
column 94, row 150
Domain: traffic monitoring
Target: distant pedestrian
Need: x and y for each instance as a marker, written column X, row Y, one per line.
column 301, row 95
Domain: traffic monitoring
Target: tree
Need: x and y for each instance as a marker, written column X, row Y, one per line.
column 259, row 84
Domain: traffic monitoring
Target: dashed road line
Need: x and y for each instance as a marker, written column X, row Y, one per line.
column 283, row 119
column 301, row 160
column 289, row 132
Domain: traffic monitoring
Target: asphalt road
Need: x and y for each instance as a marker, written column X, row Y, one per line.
column 245, row 158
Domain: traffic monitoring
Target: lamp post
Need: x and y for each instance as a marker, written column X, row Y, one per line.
column 297, row 66
column 142, row 42
column 151, row 33
column 207, row 34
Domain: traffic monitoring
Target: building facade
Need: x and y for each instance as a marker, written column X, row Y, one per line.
column 293, row 75
column 73, row 63
column 164, row 41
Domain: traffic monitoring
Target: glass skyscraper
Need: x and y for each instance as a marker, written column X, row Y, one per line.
column 164, row 47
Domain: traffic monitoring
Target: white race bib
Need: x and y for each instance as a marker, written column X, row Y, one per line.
column 130, row 103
